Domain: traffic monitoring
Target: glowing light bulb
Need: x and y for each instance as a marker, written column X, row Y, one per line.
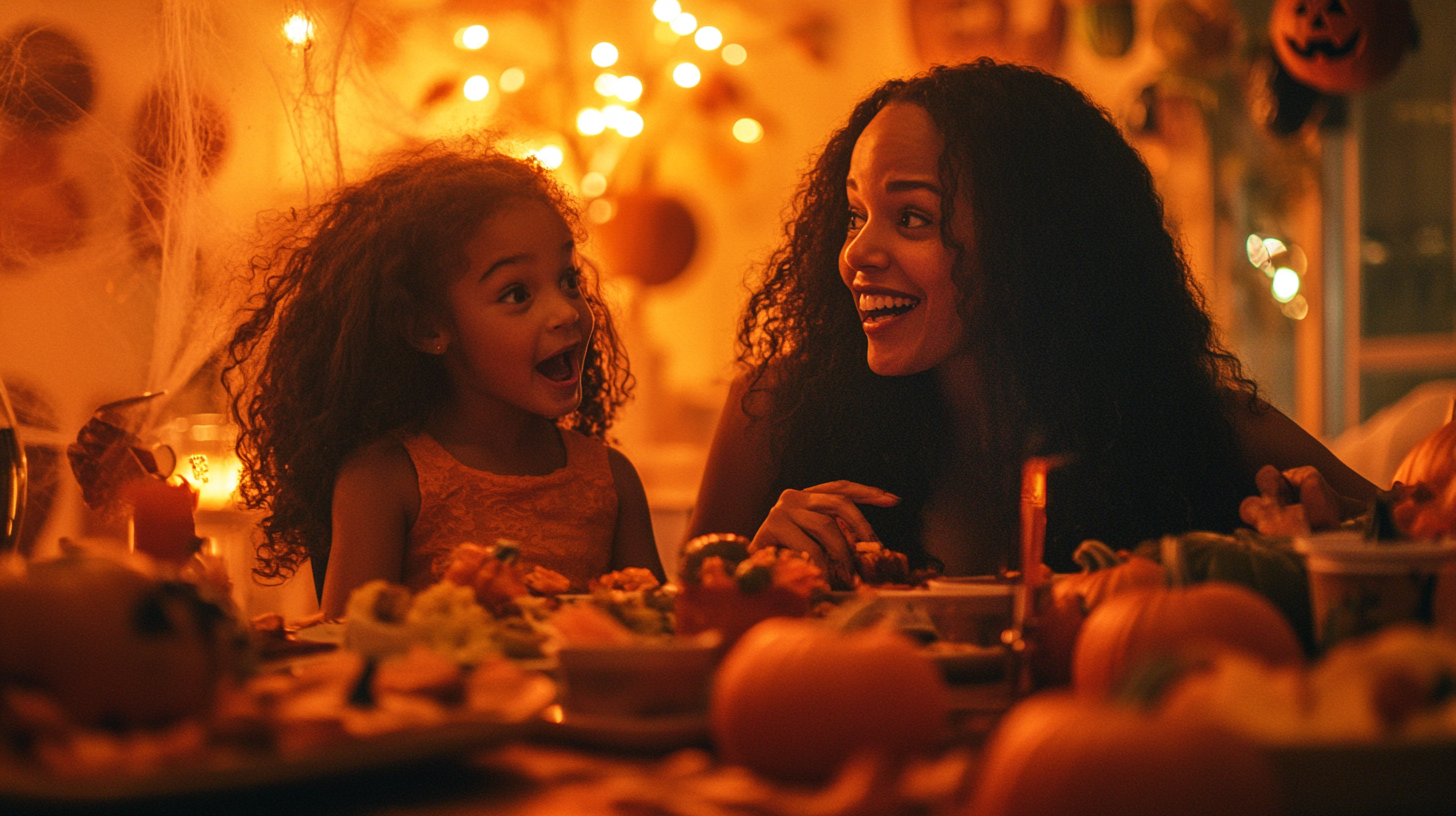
column 600, row 211
column 686, row 74
column 298, row 30
column 747, row 130
column 1275, row 246
column 630, row 124
column 590, row 122
column 512, row 79
column 550, row 157
column 708, row 38
column 472, row 38
column 666, row 10
column 734, row 54
column 612, row 115
column 476, row 88
column 1286, row 284
column 683, row 24
column 629, row 88
column 605, row 84
column 593, row 184
column 604, row 54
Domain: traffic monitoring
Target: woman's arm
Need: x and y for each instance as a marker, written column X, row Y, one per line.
column 736, row 496
column 736, row 491
column 376, row 500
column 1305, row 467
column 634, row 545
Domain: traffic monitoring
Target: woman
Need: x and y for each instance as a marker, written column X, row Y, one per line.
column 978, row 270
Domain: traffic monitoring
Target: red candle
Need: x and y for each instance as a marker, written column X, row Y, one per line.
column 161, row 518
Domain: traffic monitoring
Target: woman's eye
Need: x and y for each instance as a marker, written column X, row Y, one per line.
column 571, row 281
column 514, row 295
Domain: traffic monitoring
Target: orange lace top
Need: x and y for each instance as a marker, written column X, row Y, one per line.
column 565, row 521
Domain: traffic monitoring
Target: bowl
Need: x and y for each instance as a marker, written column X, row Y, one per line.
column 648, row 679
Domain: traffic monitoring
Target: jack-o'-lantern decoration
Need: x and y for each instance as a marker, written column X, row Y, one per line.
column 1341, row 46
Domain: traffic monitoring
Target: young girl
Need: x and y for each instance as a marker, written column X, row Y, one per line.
column 428, row 365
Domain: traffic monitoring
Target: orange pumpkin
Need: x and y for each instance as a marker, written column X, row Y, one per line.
column 1425, row 503
column 1054, row 753
column 1138, row 625
column 1341, row 46
column 1103, row 575
column 114, row 647
column 794, row 699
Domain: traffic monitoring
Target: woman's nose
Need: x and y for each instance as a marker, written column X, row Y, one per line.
column 865, row 249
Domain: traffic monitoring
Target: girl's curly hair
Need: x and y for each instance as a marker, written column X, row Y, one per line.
column 321, row 365
column 1088, row 332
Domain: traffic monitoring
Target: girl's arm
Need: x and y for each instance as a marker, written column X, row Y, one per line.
column 635, row 545
column 376, row 500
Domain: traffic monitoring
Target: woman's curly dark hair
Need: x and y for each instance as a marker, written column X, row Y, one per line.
column 321, row 364
column 1088, row 332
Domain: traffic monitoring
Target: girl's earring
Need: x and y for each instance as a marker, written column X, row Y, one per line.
column 438, row 347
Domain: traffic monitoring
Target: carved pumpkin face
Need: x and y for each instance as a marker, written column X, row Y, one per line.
column 1340, row 46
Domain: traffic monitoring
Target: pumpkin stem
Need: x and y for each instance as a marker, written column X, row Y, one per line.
column 1171, row 550
column 1092, row 555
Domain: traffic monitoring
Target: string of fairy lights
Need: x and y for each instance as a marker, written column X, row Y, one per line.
column 618, row 91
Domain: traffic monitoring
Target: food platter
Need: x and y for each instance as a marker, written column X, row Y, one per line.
column 30, row 788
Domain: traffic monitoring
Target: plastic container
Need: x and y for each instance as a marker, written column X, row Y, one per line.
column 1359, row 586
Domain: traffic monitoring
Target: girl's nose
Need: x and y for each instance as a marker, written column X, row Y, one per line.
column 564, row 313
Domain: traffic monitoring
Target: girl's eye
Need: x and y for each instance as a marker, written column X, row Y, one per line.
column 571, row 281
column 856, row 220
column 514, row 295
column 912, row 219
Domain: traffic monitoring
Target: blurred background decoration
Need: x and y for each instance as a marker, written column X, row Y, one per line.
column 141, row 139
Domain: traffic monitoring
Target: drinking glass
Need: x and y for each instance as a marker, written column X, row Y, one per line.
column 12, row 477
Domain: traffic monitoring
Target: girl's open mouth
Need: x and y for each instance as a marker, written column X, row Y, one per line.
column 560, row 368
column 878, row 308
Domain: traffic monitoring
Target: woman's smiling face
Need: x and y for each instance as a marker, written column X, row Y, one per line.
column 894, row 260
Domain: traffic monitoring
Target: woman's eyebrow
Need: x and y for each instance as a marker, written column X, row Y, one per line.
column 903, row 185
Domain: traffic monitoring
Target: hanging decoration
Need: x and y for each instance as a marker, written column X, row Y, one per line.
column 951, row 31
column 1197, row 39
column 1341, row 46
column 651, row 238
column 1108, row 26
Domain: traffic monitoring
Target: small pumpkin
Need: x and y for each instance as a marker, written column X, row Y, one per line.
column 1266, row 564
column 1104, row 574
column 1055, row 753
column 1341, row 46
column 794, row 699
column 1139, row 625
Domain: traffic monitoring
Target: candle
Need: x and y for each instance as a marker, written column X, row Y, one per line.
column 161, row 518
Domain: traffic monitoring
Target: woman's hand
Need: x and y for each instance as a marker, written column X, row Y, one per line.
column 824, row 522
column 1291, row 502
